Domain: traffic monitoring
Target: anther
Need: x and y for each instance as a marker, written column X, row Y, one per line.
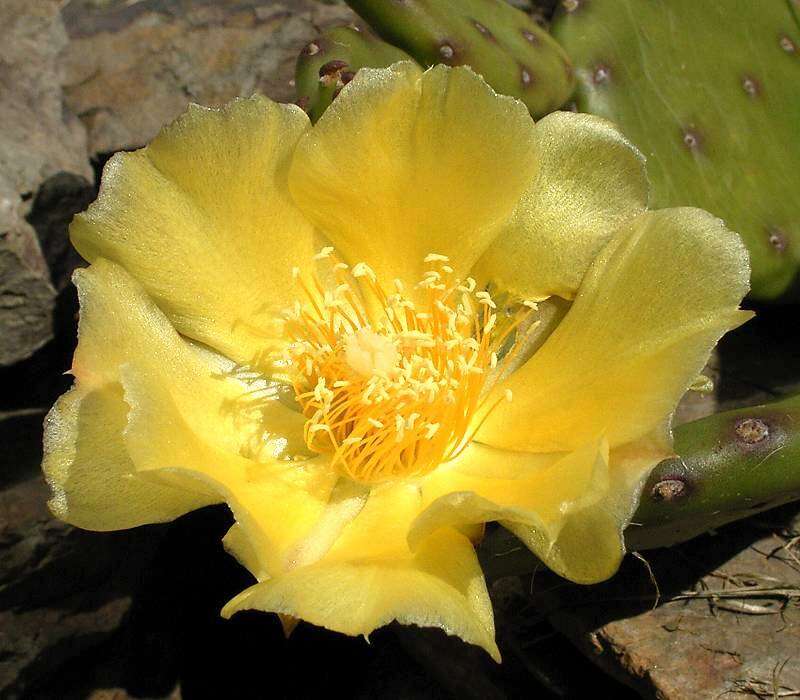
column 390, row 392
column 324, row 253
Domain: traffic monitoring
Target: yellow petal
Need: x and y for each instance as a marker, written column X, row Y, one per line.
column 590, row 543
column 96, row 479
column 182, row 424
column 532, row 485
column 291, row 517
column 376, row 535
column 315, row 544
column 93, row 481
column 121, row 326
column 647, row 315
column 404, row 164
column 276, row 503
column 346, row 502
column 591, row 179
column 203, row 220
column 570, row 510
column 239, row 545
column 441, row 585
column 294, row 515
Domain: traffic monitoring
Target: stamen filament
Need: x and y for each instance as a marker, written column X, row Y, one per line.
column 392, row 392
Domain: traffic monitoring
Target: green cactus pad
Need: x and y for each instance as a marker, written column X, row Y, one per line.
column 329, row 62
column 513, row 54
column 708, row 90
column 731, row 465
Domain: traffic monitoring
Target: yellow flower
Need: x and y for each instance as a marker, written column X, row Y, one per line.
column 507, row 344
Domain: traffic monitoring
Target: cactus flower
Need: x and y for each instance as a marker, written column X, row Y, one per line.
column 371, row 336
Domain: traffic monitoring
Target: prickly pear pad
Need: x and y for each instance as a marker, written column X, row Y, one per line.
column 708, row 92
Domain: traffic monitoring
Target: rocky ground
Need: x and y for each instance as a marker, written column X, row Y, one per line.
column 135, row 614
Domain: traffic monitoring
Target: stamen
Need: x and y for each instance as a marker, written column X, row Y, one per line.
column 391, row 388
column 324, row 253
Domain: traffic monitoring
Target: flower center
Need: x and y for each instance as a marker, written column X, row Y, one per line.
column 390, row 386
column 370, row 354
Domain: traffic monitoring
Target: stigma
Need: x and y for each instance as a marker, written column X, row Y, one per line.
column 369, row 354
column 390, row 382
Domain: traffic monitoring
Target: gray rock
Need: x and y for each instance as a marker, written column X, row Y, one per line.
column 719, row 617
column 26, row 296
column 130, row 69
column 58, row 199
column 38, row 140
column 63, row 591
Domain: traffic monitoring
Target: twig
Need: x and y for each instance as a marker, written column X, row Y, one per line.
column 787, row 593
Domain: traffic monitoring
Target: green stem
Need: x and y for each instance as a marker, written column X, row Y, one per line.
column 329, row 62
column 513, row 53
column 731, row 465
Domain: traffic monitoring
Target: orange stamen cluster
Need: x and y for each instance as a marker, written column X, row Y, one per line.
column 390, row 387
